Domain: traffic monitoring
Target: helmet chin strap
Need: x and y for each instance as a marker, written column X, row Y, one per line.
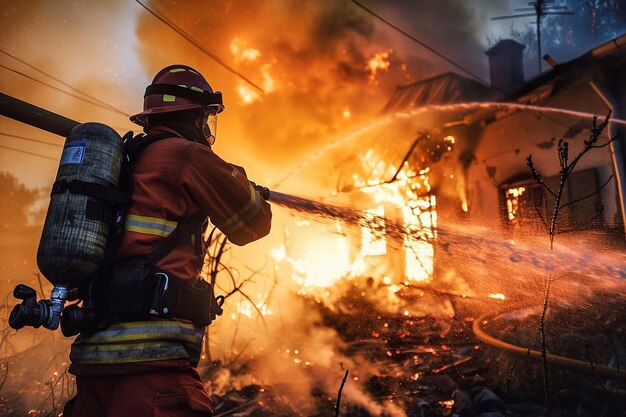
column 207, row 135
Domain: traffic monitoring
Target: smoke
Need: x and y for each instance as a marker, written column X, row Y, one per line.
column 316, row 55
column 294, row 358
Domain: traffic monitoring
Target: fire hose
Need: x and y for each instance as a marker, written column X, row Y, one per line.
column 535, row 355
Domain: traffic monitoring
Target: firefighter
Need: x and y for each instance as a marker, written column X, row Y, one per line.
column 140, row 366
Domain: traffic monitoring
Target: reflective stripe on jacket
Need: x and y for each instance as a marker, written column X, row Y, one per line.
column 239, row 219
column 149, row 225
column 139, row 341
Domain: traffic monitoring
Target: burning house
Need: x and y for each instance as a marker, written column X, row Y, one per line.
column 452, row 150
column 512, row 119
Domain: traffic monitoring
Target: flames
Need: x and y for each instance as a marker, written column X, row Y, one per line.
column 392, row 240
column 512, row 196
column 316, row 257
column 379, row 62
column 246, row 55
column 415, row 211
column 247, row 94
column 241, row 52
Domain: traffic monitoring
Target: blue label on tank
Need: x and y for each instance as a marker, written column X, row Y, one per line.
column 73, row 153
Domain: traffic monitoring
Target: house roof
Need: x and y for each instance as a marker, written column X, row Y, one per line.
column 442, row 89
column 611, row 56
column 452, row 88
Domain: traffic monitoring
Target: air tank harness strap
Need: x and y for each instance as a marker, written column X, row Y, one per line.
column 134, row 145
column 187, row 231
column 137, row 288
column 114, row 197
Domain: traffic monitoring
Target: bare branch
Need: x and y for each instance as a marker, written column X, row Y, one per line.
column 6, row 373
column 343, row 382
column 509, row 378
column 580, row 226
column 597, row 191
column 241, row 350
column 599, row 380
column 536, row 175
column 247, row 297
column 607, row 143
column 544, row 345
column 614, row 348
column 596, row 131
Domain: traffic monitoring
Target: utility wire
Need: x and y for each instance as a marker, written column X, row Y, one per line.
column 431, row 49
column 76, row 90
column 63, row 91
column 195, row 43
column 9, row 135
column 30, row 153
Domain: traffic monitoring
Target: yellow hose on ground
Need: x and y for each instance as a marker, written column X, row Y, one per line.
column 561, row 361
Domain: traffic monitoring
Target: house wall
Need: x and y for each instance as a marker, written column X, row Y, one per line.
column 505, row 144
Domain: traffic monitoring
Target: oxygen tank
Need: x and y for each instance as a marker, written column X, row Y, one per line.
column 82, row 211
column 85, row 206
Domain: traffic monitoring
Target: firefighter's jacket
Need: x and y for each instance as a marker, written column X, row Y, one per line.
column 174, row 179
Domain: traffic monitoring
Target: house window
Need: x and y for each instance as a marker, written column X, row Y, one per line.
column 521, row 202
column 526, row 204
column 513, row 197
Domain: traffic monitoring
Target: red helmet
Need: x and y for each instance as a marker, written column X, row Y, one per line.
column 175, row 88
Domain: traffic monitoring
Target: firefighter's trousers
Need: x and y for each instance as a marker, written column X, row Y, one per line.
column 164, row 393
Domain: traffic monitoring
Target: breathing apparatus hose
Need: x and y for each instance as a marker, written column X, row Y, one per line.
column 560, row 361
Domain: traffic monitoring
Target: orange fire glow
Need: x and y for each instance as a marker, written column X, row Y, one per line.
column 318, row 259
column 379, row 62
column 401, row 210
column 247, row 94
column 245, row 308
column 512, row 201
column 241, row 52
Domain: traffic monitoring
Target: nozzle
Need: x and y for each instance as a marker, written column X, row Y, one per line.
column 264, row 191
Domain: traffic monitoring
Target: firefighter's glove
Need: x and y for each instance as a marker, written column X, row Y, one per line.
column 264, row 191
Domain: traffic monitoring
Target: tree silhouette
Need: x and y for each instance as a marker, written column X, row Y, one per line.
column 566, row 36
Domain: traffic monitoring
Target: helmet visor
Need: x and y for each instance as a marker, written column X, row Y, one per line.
column 212, row 125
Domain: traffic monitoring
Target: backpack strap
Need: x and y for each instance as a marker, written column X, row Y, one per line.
column 184, row 232
column 134, row 145
column 186, row 229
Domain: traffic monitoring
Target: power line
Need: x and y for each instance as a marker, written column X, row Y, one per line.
column 56, row 145
column 431, row 49
column 30, row 153
column 195, row 43
column 63, row 91
column 76, row 90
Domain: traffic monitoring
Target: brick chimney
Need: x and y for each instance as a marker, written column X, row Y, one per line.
column 506, row 65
